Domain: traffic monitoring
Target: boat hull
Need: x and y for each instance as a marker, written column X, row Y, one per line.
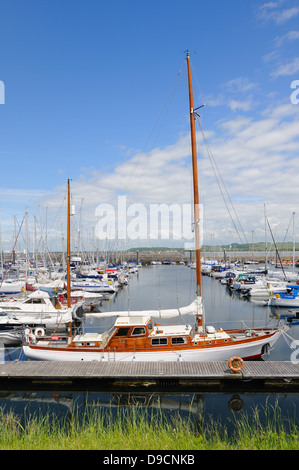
column 8, row 288
column 11, row 338
column 284, row 302
column 245, row 349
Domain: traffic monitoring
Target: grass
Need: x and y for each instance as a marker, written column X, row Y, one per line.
column 135, row 429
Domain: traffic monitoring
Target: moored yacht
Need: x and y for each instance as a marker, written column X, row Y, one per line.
column 39, row 308
column 139, row 339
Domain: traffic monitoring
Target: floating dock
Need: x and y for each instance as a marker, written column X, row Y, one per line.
column 256, row 376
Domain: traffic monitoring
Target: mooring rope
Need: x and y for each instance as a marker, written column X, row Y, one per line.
column 291, row 342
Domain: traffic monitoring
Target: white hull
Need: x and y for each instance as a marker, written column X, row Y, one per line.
column 285, row 275
column 58, row 319
column 246, row 350
column 11, row 338
column 39, row 317
column 11, row 287
column 284, row 303
column 94, row 288
column 268, row 291
column 91, row 298
column 259, row 293
column 88, row 298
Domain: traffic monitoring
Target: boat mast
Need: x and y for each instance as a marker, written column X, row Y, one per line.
column 68, row 269
column 195, row 180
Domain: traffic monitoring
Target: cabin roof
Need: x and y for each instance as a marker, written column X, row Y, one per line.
column 38, row 294
column 132, row 321
column 165, row 330
column 88, row 337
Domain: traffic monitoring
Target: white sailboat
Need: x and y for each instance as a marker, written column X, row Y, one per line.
column 134, row 337
column 11, row 330
column 267, row 289
column 94, row 286
column 11, row 286
column 39, row 309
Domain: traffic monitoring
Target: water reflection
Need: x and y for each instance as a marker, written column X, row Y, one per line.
column 290, row 315
column 197, row 409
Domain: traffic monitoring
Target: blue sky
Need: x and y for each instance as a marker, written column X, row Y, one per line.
column 92, row 93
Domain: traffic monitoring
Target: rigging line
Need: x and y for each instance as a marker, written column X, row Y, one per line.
column 276, row 250
column 286, row 233
column 164, row 110
column 57, row 213
column 221, row 191
column 216, row 170
column 13, row 249
column 43, row 241
column 214, row 166
column 293, row 344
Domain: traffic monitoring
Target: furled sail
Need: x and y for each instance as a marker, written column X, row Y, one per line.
column 195, row 308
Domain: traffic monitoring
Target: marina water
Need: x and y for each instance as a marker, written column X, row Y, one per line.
column 169, row 286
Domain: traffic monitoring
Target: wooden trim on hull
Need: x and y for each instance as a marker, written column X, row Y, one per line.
column 249, row 349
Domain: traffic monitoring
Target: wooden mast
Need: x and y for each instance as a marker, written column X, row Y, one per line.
column 68, row 258
column 195, row 180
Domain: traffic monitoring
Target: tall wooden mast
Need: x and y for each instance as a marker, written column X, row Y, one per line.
column 195, row 180
column 68, row 269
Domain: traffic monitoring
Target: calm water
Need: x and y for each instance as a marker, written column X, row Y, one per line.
column 168, row 287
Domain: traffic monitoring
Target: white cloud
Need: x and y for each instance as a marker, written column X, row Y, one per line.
column 21, row 194
column 239, row 85
column 271, row 12
column 235, row 94
column 287, row 69
column 242, row 105
column 290, row 36
column 286, row 15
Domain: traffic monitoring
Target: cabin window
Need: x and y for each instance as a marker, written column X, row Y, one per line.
column 138, row 330
column 79, row 344
column 150, row 326
column 91, row 344
column 35, row 301
column 159, row 341
column 179, row 340
column 122, row 332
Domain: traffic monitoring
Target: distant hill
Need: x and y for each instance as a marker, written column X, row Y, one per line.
column 258, row 246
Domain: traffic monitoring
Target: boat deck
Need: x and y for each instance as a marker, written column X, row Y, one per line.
column 200, row 376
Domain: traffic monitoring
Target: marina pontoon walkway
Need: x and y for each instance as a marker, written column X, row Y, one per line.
column 198, row 376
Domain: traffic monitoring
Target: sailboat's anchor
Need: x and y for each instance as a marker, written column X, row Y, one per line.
column 236, row 364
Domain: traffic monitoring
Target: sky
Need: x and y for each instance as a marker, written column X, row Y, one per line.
column 96, row 92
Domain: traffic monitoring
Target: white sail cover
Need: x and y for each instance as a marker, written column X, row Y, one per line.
column 195, row 308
